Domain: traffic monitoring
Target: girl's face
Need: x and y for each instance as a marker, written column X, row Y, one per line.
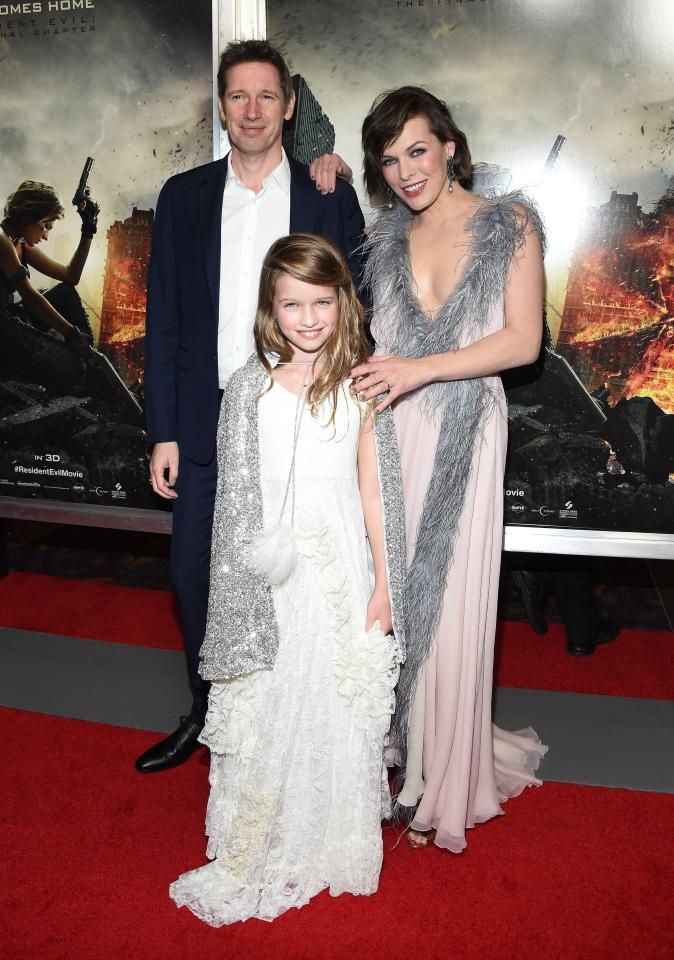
column 415, row 165
column 34, row 233
column 306, row 314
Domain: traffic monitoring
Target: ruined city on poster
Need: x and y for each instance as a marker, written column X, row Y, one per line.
column 128, row 85
column 576, row 110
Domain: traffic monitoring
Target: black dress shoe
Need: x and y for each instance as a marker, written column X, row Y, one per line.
column 173, row 750
column 533, row 598
column 608, row 630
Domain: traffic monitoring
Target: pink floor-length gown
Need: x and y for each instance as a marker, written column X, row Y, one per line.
column 458, row 762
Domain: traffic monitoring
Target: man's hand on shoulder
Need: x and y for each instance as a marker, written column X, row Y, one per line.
column 164, row 457
column 325, row 170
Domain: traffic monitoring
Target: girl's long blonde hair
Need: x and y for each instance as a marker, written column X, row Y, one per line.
column 313, row 260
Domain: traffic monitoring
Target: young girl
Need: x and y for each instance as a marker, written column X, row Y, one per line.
column 298, row 644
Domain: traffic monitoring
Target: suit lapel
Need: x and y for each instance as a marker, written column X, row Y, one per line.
column 210, row 218
column 304, row 199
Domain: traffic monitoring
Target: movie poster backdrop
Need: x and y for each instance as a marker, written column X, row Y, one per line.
column 572, row 102
column 129, row 85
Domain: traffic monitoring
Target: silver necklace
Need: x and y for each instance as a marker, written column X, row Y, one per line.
column 297, row 423
column 298, row 363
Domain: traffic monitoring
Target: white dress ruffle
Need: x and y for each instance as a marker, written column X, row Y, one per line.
column 298, row 787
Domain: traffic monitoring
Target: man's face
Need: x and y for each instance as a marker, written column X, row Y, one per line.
column 252, row 108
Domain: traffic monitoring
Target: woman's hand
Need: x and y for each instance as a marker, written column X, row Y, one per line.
column 77, row 341
column 379, row 609
column 393, row 376
column 325, row 170
column 88, row 210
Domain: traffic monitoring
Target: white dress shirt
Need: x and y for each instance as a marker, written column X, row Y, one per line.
column 251, row 222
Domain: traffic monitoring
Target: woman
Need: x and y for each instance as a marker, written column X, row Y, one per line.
column 30, row 351
column 457, row 285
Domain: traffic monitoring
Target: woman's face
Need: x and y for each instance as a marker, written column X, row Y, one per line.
column 415, row 165
column 34, row 233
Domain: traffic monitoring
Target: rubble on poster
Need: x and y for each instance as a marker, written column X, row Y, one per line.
column 86, row 447
column 576, row 461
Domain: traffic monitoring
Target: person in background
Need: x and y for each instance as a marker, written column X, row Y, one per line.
column 569, row 581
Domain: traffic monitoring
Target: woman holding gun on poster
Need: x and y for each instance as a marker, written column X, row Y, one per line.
column 30, row 351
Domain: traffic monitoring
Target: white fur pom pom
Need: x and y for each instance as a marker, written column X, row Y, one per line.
column 274, row 553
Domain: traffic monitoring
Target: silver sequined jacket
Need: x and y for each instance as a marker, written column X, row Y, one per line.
column 241, row 631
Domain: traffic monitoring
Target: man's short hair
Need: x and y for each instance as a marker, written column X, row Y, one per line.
column 253, row 51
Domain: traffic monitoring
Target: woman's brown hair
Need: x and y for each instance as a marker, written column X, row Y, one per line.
column 384, row 123
column 313, row 260
column 31, row 202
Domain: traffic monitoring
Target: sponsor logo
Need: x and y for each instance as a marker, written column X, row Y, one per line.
column 568, row 512
column 543, row 511
column 517, row 507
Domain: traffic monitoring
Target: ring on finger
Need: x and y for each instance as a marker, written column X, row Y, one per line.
column 388, row 386
column 361, row 396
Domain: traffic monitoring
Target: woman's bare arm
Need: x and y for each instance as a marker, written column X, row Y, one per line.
column 72, row 273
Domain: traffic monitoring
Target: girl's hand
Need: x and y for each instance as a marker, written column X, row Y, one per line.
column 379, row 609
column 393, row 376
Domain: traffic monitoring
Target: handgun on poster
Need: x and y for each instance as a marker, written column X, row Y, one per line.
column 83, row 192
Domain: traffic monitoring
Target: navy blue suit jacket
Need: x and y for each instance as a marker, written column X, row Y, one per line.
column 181, row 339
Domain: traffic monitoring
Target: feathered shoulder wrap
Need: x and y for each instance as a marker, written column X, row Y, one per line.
column 495, row 233
column 241, row 631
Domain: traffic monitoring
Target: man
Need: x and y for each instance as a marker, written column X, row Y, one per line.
column 212, row 228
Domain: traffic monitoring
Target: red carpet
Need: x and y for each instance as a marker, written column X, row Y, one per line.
column 89, row 848
column 90, row 609
column 640, row 663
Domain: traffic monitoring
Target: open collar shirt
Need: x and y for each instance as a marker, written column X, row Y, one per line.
column 251, row 222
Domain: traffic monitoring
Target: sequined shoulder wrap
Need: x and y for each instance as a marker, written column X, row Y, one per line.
column 495, row 233
column 241, row 631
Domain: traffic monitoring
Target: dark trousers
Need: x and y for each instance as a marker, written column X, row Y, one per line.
column 190, row 564
column 66, row 300
column 569, row 580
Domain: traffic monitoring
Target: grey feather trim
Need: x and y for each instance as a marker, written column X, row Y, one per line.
column 496, row 232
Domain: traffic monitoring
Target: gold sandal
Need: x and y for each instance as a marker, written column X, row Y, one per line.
column 420, row 839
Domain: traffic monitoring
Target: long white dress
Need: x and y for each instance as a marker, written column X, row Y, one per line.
column 298, row 787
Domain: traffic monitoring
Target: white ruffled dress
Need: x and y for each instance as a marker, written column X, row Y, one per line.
column 298, row 787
